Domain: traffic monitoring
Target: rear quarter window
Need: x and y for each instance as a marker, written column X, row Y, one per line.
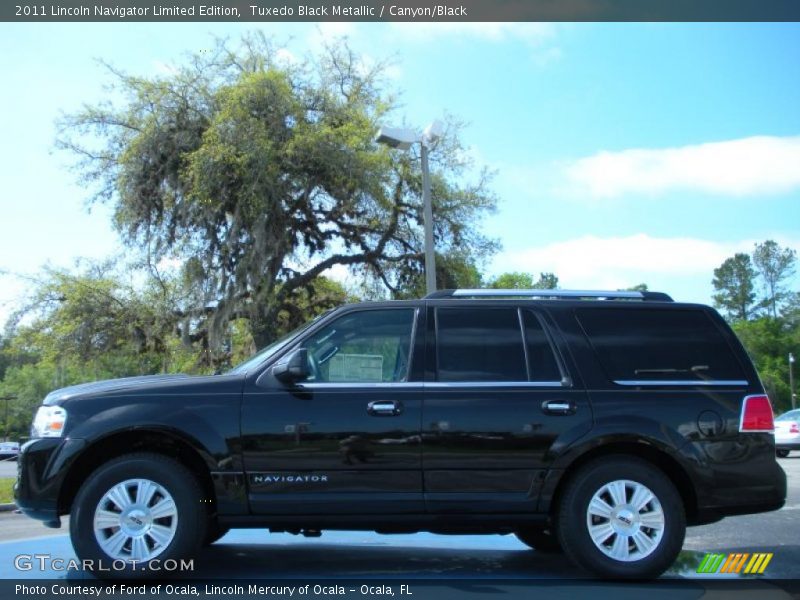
column 638, row 344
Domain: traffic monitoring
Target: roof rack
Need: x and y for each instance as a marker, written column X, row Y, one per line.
column 552, row 294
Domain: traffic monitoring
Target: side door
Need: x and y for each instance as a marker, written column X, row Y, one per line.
column 345, row 440
column 500, row 402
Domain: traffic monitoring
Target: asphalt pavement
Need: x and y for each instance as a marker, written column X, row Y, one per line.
column 245, row 554
column 8, row 468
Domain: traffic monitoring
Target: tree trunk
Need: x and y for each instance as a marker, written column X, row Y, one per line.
column 263, row 324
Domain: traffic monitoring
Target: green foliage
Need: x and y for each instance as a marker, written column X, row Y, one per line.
column 734, row 285
column 769, row 341
column 6, row 490
column 774, row 265
column 516, row 280
column 768, row 327
column 260, row 176
column 639, row 287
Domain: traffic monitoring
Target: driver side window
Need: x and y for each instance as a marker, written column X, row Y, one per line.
column 369, row 346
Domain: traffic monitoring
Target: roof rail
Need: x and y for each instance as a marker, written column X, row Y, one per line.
column 552, row 294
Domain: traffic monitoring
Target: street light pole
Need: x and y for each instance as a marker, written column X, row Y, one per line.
column 791, row 380
column 5, row 420
column 430, row 256
column 402, row 139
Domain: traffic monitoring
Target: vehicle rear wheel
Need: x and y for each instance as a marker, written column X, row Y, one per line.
column 782, row 453
column 621, row 517
column 136, row 509
column 541, row 539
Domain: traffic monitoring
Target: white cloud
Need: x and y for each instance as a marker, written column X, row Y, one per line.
column 592, row 262
column 749, row 166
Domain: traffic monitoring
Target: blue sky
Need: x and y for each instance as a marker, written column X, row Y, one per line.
column 624, row 152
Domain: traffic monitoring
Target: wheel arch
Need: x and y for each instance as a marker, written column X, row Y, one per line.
column 154, row 440
column 642, row 449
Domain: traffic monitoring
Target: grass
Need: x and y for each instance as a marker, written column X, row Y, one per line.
column 6, row 490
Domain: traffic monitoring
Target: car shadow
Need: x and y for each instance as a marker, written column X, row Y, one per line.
column 326, row 560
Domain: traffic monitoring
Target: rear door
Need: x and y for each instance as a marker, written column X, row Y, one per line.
column 499, row 399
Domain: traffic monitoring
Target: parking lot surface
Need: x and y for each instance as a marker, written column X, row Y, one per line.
column 8, row 468
column 246, row 554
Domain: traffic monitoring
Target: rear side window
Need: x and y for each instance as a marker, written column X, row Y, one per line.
column 480, row 345
column 659, row 345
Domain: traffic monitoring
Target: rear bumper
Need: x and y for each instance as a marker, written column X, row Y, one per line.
column 744, row 478
column 41, row 469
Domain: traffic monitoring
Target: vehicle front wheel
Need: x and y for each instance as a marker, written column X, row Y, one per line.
column 621, row 517
column 134, row 510
column 782, row 453
column 541, row 539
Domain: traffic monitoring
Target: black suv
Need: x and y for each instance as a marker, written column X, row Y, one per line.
column 599, row 424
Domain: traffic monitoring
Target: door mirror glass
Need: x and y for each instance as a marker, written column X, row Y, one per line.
column 294, row 367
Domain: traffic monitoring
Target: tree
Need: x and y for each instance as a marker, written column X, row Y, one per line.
column 516, row 280
column 734, row 285
column 547, row 281
column 639, row 287
column 768, row 342
column 774, row 265
column 260, row 175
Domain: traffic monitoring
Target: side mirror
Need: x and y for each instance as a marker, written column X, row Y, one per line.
column 293, row 367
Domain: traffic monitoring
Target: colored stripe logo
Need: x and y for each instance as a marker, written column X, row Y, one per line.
column 735, row 562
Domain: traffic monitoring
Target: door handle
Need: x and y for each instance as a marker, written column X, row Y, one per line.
column 559, row 407
column 384, row 408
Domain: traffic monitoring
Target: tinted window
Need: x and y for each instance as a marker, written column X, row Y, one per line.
column 365, row 346
column 542, row 361
column 479, row 345
column 647, row 344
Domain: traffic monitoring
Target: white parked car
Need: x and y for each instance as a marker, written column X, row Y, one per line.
column 9, row 450
column 787, row 433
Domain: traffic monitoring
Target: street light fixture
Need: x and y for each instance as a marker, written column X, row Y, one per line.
column 402, row 139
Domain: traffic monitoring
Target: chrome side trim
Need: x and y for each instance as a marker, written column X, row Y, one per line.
column 682, row 382
column 355, row 385
column 419, row 385
column 549, row 293
column 490, row 384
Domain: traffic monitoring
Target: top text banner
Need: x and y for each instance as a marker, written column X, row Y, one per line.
column 254, row 11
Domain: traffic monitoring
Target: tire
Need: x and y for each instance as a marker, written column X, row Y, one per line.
column 782, row 453
column 214, row 533
column 541, row 539
column 631, row 543
column 151, row 506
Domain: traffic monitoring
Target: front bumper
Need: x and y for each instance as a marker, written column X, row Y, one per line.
column 787, row 445
column 787, row 441
column 42, row 468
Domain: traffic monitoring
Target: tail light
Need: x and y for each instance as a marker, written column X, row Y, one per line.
column 794, row 428
column 757, row 414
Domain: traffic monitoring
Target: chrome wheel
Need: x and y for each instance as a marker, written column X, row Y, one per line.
column 625, row 520
column 135, row 520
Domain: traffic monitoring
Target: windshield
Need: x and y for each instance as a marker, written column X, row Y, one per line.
column 792, row 415
column 263, row 354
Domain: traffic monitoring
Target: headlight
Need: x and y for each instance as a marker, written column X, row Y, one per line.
column 49, row 422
